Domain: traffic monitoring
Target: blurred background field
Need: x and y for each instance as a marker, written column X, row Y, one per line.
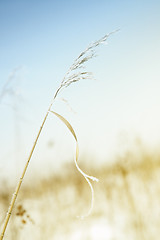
column 126, row 202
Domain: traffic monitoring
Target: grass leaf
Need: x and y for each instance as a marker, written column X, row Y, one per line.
column 87, row 177
column 66, row 123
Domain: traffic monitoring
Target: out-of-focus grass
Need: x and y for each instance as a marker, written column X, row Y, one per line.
column 126, row 203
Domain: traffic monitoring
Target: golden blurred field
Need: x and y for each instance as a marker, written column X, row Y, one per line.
column 126, row 202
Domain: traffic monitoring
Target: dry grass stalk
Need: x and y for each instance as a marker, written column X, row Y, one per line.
column 74, row 74
column 8, row 88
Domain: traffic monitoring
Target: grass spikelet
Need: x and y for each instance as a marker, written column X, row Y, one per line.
column 74, row 74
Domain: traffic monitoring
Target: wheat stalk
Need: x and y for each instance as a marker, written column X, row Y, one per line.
column 74, row 74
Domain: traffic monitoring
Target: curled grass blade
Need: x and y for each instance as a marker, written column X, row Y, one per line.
column 87, row 177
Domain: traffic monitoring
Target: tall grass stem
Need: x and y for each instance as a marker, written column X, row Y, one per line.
column 74, row 74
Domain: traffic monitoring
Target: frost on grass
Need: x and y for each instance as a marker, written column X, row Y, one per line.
column 77, row 72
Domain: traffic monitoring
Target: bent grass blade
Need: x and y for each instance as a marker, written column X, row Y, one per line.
column 87, row 177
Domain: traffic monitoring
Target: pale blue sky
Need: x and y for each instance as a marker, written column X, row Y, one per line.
column 44, row 37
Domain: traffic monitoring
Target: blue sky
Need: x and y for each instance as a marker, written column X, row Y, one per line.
column 44, row 38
